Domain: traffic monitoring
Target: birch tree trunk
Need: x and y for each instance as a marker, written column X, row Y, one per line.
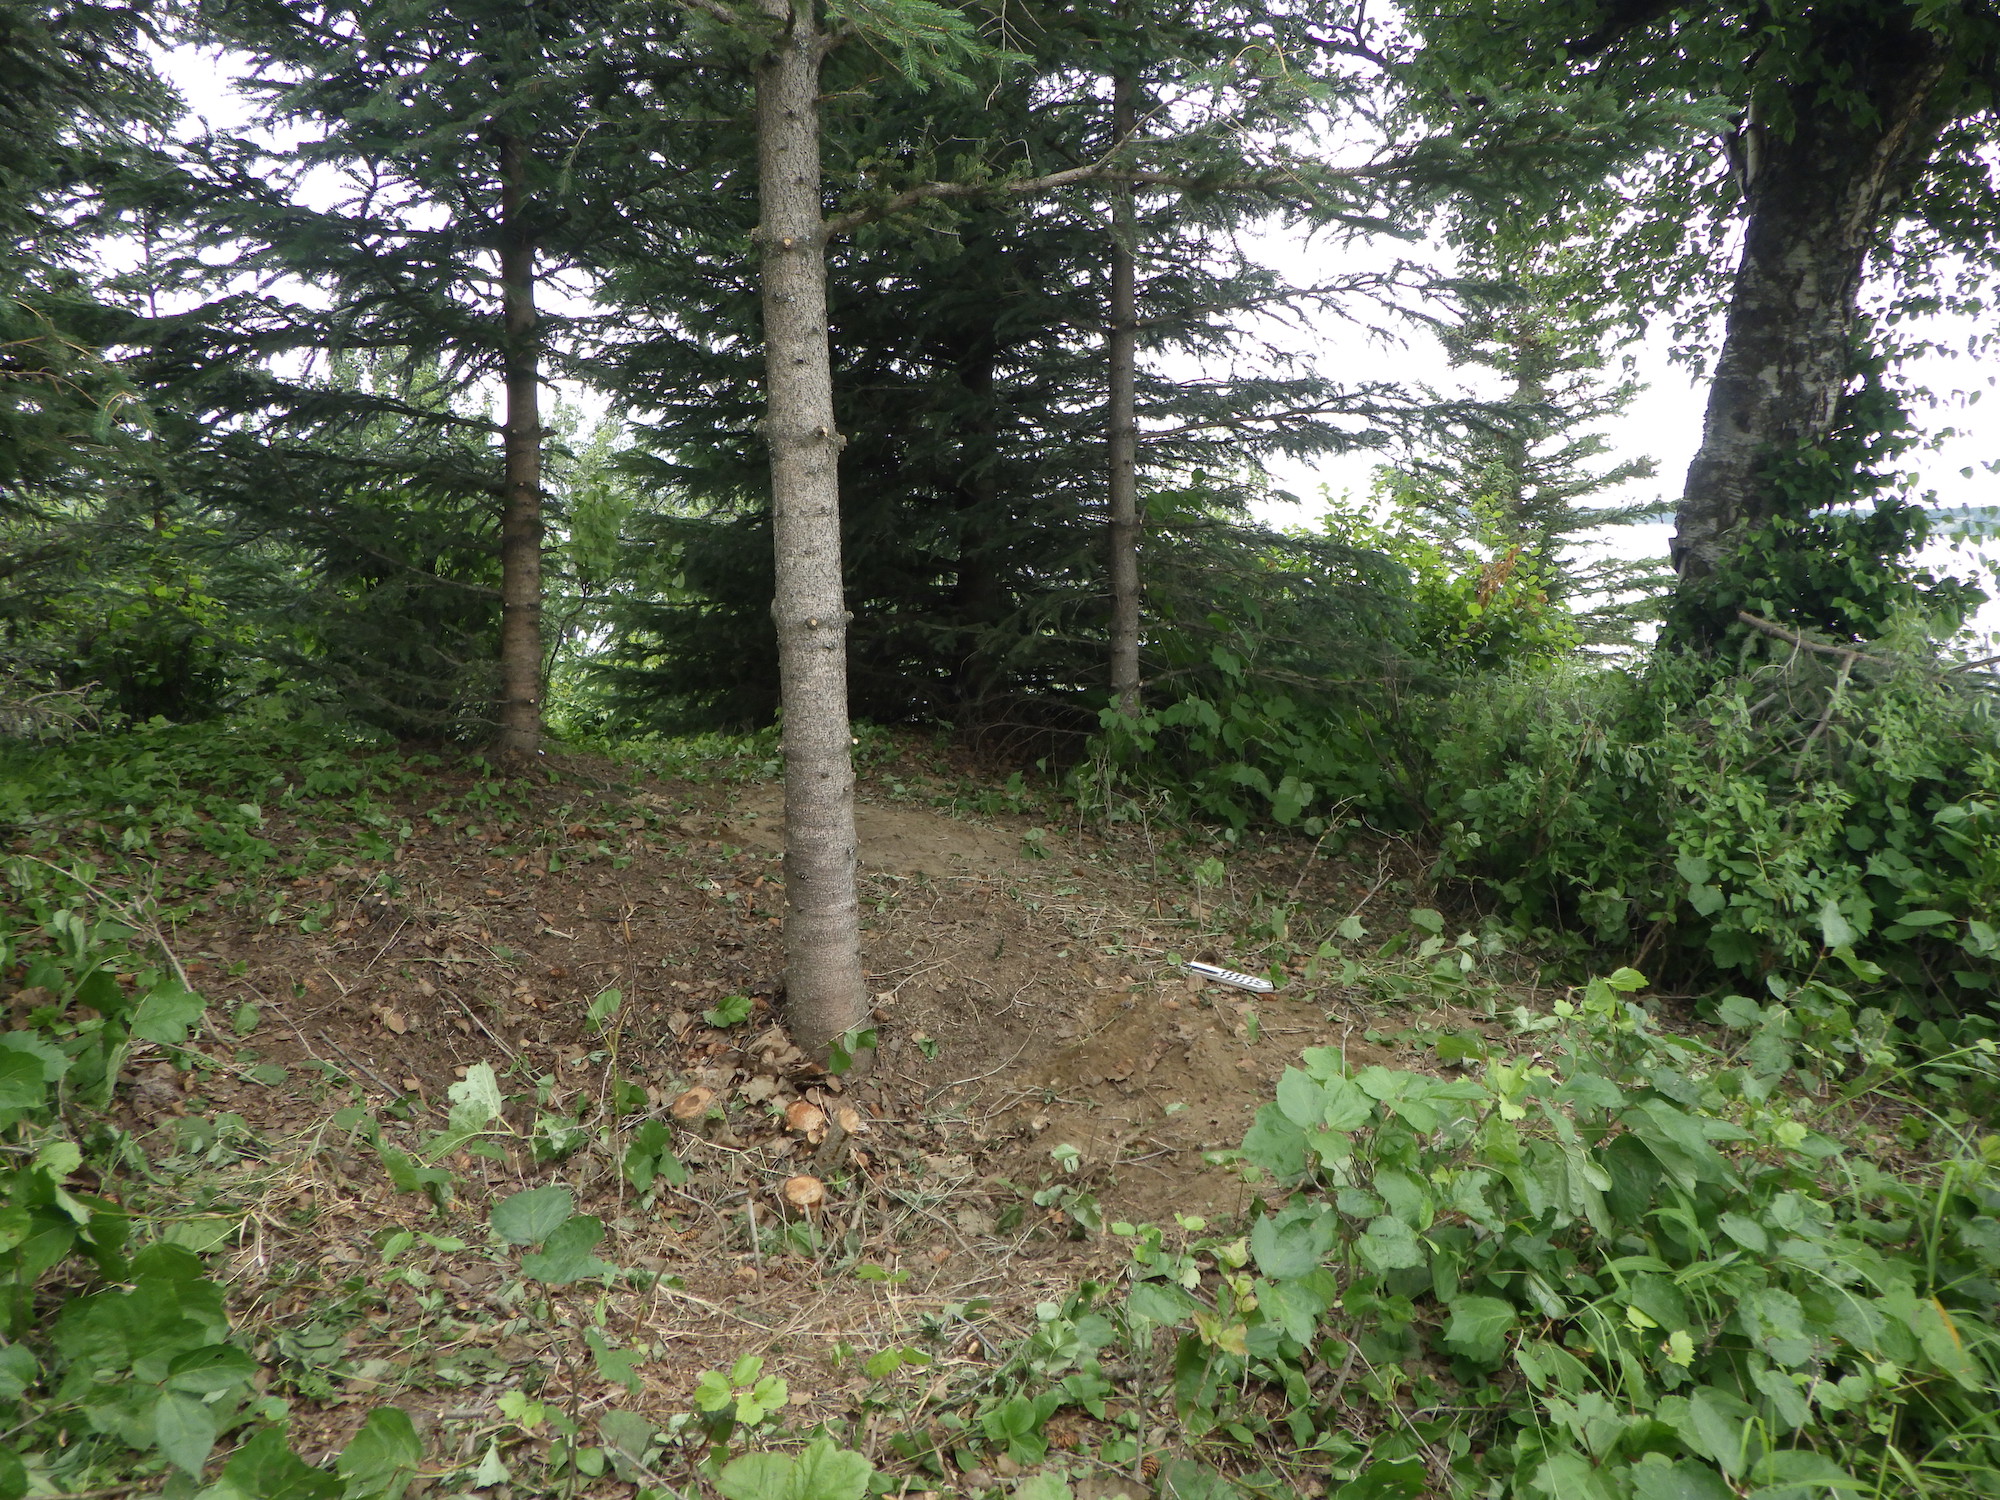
column 520, row 730
column 1122, row 420
column 1816, row 200
column 824, row 991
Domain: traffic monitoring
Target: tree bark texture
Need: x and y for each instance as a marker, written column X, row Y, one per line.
column 825, row 995
column 520, row 731
column 1816, row 199
column 1122, row 420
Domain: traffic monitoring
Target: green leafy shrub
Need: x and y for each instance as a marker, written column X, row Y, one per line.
column 1622, row 1268
column 1307, row 687
column 1278, row 688
column 1470, row 612
column 1244, row 755
column 1809, row 818
column 119, row 1364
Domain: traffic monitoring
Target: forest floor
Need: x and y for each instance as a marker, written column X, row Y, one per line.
column 1047, row 1070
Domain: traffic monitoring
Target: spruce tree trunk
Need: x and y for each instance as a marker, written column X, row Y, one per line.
column 1816, row 201
column 979, row 597
column 1122, row 421
column 520, row 731
column 824, row 991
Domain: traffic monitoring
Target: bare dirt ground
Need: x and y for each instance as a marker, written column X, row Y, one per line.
column 1026, row 1004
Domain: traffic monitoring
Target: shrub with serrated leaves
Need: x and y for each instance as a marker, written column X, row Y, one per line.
column 1622, row 1268
column 118, row 1365
column 1280, row 684
column 1806, row 818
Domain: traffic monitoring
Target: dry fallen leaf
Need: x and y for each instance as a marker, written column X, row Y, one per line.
column 692, row 1105
column 804, row 1193
column 393, row 1020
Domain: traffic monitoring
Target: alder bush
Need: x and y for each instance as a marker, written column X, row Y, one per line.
column 1624, row 1266
column 1812, row 816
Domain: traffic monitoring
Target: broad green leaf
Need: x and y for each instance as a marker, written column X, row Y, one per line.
column 1295, row 1306
column 1347, row 1107
column 757, row 1476
column 1299, row 1098
column 200, row 1235
column 1789, row 1472
column 1324, row 1063
column 1389, row 1245
column 184, row 1427
column 166, row 1014
column 1774, row 1321
column 1292, row 1243
column 55, row 1062
column 1387, row 1479
column 1478, row 1328
column 1158, row 1302
column 18, row 1371
column 1046, row 1485
column 1834, row 928
column 1706, row 900
column 614, row 1364
column 1676, row 1141
column 1656, row 1478
column 531, row 1216
column 1692, row 869
column 565, row 1256
column 1406, row 1198
column 382, row 1458
column 1276, row 1144
column 492, row 1469
column 1548, row 1364
column 1570, row 1476
column 1722, row 1427
column 476, row 1097
column 1746, row 1232
column 1593, row 1091
column 21, row 1082
column 626, row 1433
column 821, row 1472
column 1739, row 1012
column 1185, row 1479
column 211, row 1370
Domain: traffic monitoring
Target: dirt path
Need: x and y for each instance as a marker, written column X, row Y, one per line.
column 1044, row 1068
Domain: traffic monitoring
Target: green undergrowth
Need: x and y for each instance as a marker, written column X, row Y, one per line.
column 1596, row 1252
column 119, row 1364
column 1600, row 1260
column 1603, row 1262
column 1808, row 818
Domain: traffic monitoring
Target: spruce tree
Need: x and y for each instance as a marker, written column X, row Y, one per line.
column 461, row 139
column 1509, row 488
